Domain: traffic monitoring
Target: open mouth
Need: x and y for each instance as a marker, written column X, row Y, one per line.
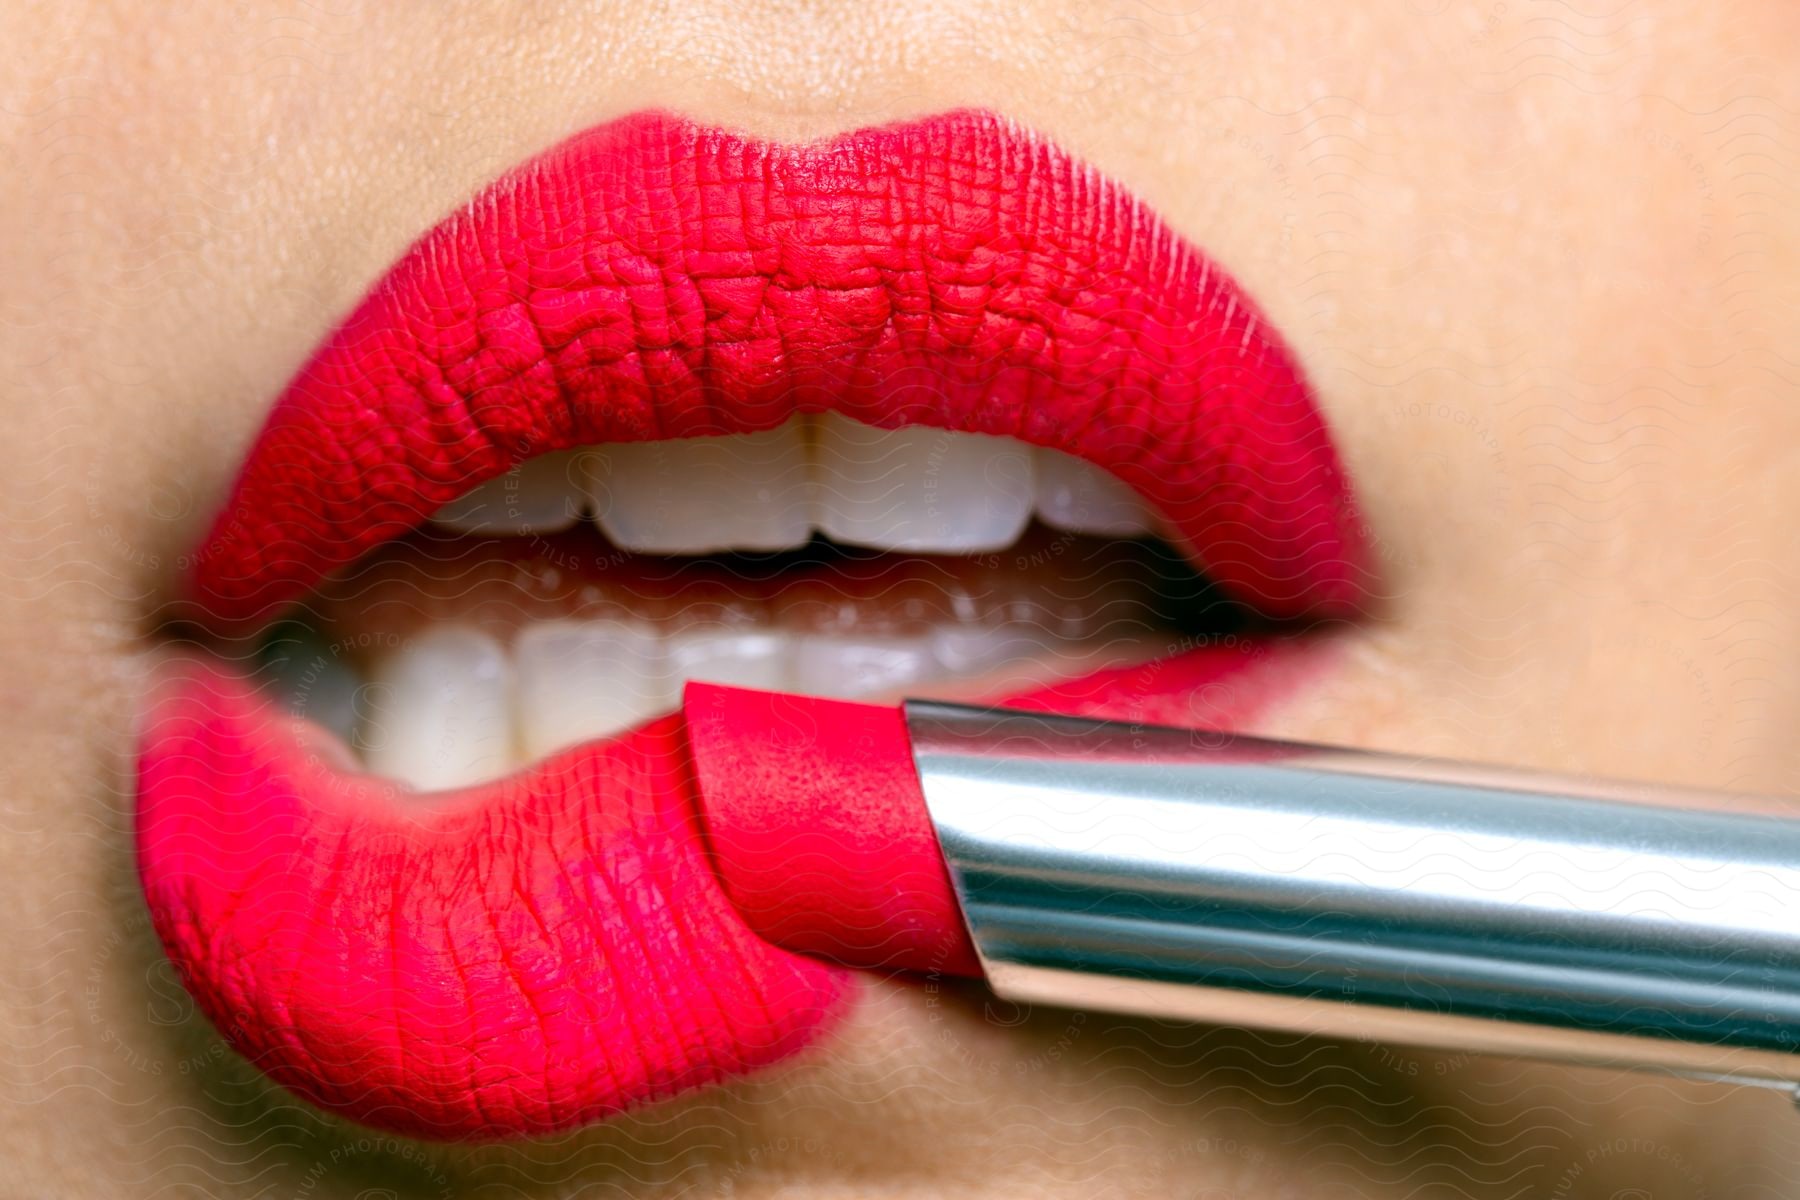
column 929, row 409
column 823, row 557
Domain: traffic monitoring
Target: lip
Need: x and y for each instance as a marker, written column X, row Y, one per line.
column 653, row 279
column 550, row 948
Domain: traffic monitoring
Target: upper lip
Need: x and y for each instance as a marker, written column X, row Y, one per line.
column 656, row 279
column 451, row 973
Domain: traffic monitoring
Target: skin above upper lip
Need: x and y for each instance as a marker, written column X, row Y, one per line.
column 552, row 947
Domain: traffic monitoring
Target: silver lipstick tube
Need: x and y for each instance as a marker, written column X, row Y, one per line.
column 1380, row 897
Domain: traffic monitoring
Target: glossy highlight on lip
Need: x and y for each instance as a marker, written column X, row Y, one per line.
column 551, row 948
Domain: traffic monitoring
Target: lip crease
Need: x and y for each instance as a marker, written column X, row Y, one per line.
column 553, row 947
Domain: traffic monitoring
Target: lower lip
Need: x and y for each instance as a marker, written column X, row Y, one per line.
column 528, row 955
column 547, row 949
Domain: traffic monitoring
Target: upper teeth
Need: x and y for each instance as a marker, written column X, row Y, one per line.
column 916, row 489
column 703, row 495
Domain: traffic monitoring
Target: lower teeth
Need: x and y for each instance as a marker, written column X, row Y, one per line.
column 451, row 663
column 454, row 705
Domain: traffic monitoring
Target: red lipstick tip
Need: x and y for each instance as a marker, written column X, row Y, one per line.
column 819, row 831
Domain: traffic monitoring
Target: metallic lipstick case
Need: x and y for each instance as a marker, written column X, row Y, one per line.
column 1379, row 897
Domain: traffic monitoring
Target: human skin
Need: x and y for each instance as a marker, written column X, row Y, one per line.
column 1541, row 267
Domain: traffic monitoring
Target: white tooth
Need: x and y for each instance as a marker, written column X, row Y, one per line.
column 847, row 666
column 1078, row 496
column 919, row 489
column 973, row 649
column 739, row 658
column 541, row 495
column 586, row 679
column 439, row 712
column 704, row 495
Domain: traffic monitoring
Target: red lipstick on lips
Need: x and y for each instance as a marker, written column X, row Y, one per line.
column 555, row 946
